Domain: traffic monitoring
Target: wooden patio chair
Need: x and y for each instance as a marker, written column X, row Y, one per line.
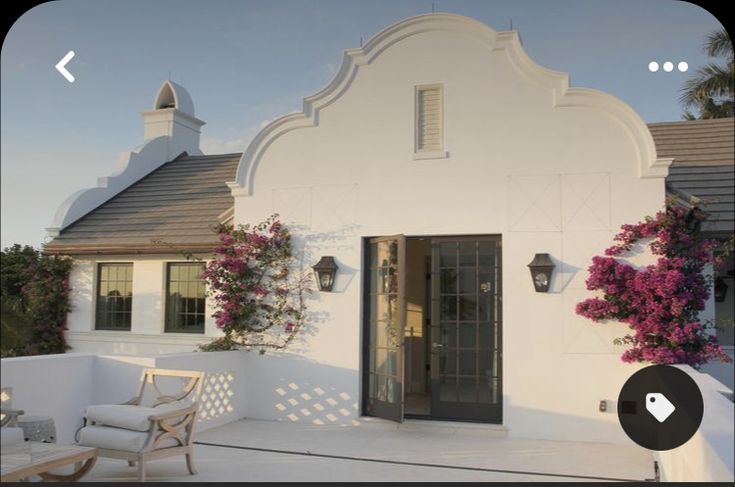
column 151, row 425
column 9, row 431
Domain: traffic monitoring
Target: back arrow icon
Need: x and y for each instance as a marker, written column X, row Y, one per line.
column 61, row 69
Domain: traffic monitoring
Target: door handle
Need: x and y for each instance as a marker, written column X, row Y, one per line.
column 437, row 346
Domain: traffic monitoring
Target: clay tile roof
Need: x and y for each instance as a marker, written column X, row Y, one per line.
column 172, row 209
column 703, row 166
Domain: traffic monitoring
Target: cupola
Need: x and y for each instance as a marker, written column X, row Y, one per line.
column 173, row 116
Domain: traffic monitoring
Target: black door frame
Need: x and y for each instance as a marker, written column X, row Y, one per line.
column 365, row 326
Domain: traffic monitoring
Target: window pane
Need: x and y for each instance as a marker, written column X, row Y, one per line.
column 448, row 254
column 185, row 298
column 448, row 363
column 114, row 296
column 467, row 308
column 467, row 280
column 467, row 363
column 467, row 335
column 449, row 335
column 467, row 252
column 487, row 254
column 448, row 283
column 449, row 307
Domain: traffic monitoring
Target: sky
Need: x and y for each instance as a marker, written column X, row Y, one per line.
column 246, row 62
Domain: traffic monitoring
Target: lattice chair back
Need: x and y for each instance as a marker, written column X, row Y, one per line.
column 171, row 387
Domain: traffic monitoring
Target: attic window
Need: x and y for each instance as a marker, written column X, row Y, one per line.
column 166, row 98
column 429, row 122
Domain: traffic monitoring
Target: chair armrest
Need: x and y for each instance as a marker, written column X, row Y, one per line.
column 135, row 401
column 11, row 416
column 12, row 412
column 174, row 413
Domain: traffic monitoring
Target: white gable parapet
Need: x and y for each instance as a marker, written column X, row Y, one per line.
column 649, row 166
column 170, row 129
column 132, row 166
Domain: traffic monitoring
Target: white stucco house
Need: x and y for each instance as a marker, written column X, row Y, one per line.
column 440, row 151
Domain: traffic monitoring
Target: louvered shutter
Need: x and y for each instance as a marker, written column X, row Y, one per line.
column 429, row 119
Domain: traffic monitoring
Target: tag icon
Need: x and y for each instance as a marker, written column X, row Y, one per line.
column 672, row 399
column 659, row 406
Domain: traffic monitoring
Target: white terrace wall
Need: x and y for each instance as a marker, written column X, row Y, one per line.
column 146, row 336
column 549, row 168
column 59, row 386
column 62, row 386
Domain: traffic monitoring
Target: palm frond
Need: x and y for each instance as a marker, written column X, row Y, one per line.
column 718, row 43
column 711, row 81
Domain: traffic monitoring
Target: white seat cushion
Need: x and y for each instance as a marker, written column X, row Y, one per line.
column 118, row 439
column 10, row 436
column 126, row 416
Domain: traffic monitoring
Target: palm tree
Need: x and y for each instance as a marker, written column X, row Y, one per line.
column 712, row 88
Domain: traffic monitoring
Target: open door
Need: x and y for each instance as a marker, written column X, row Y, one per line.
column 386, row 318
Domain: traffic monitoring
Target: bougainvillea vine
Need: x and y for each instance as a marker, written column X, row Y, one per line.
column 660, row 302
column 259, row 302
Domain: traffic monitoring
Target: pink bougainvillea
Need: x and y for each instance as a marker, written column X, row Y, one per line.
column 258, row 303
column 660, row 302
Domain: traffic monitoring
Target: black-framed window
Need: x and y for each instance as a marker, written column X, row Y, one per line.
column 185, row 298
column 114, row 296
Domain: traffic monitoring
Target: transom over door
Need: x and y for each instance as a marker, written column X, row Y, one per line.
column 386, row 317
column 466, row 326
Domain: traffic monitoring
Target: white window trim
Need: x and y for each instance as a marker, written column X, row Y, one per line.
column 419, row 154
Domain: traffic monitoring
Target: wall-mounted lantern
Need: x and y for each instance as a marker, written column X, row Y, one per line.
column 541, row 268
column 325, row 270
column 720, row 289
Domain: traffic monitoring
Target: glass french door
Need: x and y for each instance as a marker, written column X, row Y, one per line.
column 466, row 327
column 386, row 317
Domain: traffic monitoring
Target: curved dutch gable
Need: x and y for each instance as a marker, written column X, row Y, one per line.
column 649, row 165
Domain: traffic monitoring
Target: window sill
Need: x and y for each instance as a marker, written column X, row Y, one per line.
column 436, row 154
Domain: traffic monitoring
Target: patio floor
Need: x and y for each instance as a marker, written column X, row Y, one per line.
column 250, row 450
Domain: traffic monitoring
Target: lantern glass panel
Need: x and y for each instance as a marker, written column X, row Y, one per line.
column 541, row 280
column 325, row 280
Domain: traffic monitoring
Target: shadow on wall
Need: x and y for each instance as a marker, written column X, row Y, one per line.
column 307, row 251
column 563, row 275
column 285, row 387
column 566, row 273
column 310, row 246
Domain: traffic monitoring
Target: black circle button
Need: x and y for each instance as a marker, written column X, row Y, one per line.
column 660, row 407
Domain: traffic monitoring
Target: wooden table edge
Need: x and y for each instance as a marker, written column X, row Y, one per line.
column 46, row 465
